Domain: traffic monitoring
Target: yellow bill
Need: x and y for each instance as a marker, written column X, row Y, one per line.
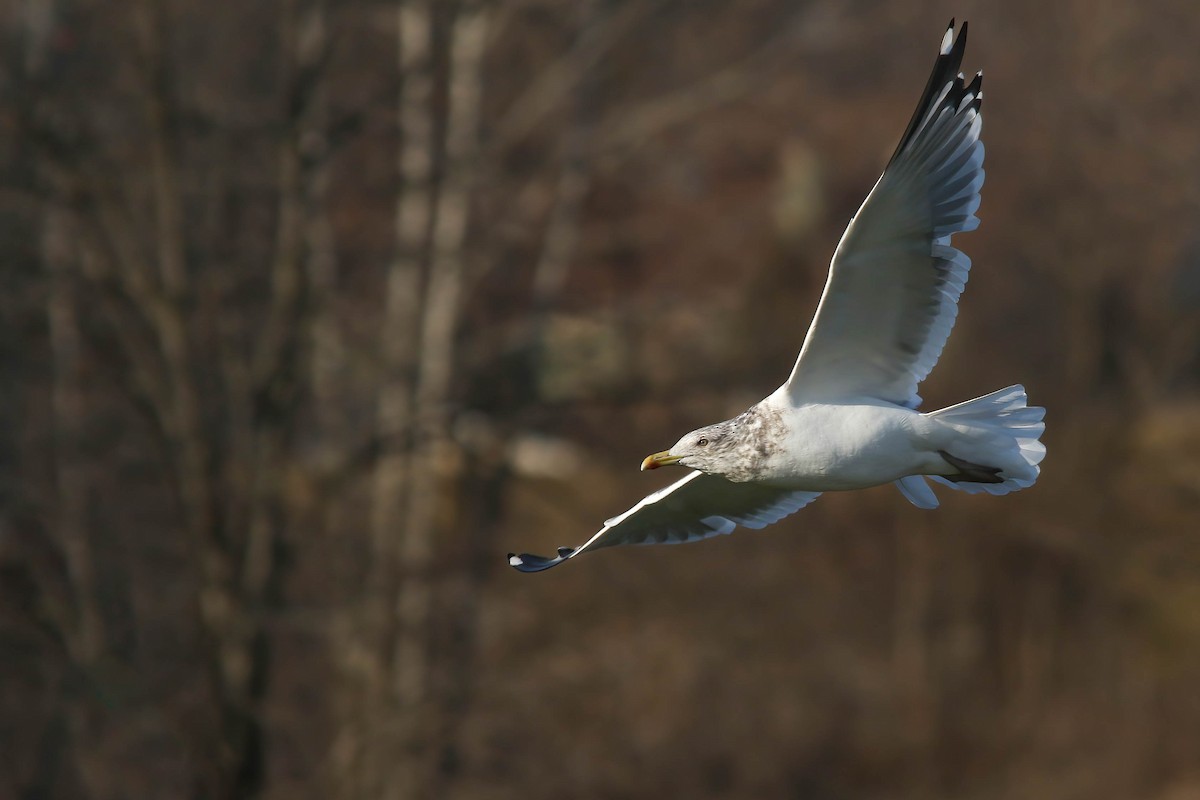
column 659, row 460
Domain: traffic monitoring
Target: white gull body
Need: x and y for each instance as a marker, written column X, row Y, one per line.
column 847, row 418
column 836, row 447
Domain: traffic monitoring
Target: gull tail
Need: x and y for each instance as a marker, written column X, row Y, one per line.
column 990, row 444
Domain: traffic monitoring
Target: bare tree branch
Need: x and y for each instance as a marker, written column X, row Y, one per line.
column 161, row 112
column 86, row 638
column 556, row 81
column 633, row 125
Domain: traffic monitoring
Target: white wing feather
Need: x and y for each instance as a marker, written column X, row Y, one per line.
column 892, row 295
column 696, row 507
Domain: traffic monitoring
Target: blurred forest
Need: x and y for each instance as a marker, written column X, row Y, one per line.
column 311, row 310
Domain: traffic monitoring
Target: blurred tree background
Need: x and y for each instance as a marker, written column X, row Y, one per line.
column 313, row 309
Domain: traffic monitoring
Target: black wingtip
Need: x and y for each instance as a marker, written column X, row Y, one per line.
column 953, row 40
column 947, row 38
column 527, row 562
column 945, row 70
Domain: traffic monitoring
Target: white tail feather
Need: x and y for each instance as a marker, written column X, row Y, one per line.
column 996, row 431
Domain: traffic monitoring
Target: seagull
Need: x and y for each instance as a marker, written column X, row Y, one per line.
column 847, row 418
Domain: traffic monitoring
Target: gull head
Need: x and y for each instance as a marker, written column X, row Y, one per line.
column 709, row 449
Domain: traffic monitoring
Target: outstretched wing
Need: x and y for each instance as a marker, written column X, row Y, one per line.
column 696, row 507
column 892, row 294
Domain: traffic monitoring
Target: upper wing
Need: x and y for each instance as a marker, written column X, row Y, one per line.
column 696, row 507
column 892, row 294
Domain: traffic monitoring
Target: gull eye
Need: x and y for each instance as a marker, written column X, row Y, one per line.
column 702, row 442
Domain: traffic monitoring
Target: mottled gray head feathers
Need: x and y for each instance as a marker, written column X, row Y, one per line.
column 736, row 448
column 709, row 448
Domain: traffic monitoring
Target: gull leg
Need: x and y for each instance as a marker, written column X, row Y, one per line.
column 970, row 473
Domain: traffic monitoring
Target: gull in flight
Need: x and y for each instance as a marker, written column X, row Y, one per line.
column 846, row 417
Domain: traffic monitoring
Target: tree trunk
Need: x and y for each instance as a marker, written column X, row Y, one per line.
column 373, row 744
column 419, row 339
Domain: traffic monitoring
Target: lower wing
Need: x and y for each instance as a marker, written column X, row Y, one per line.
column 695, row 507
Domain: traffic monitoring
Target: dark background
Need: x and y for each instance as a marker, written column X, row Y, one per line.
column 312, row 310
